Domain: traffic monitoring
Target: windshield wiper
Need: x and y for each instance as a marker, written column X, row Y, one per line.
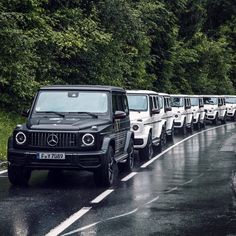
column 85, row 112
column 52, row 112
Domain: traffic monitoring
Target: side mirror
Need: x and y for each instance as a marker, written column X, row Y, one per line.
column 25, row 113
column 220, row 104
column 168, row 109
column 120, row 115
column 155, row 111
column 187, row 107
column 200, row 106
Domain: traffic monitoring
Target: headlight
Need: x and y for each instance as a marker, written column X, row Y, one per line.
column 176, row 116
column 88, row 139
column 135, row 127
column 20, row 138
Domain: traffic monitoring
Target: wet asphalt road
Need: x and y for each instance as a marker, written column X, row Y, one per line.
column 186, row 191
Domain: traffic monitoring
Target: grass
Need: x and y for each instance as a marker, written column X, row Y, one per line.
column 8, row 121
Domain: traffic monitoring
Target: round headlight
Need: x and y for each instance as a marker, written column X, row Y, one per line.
column 176, row 116
column 135, row 127
column 20, row 138
column 88, row 139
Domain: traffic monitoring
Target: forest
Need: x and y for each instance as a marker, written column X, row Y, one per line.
column 181, row 46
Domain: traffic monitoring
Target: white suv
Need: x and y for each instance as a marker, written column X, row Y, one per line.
column 231, row 107
column 215, row 108
column 146, row 122
column 167, row 114
column 183, row 114
column 199, row 114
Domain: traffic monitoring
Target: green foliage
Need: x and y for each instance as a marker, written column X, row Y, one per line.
column 8, row 121
column 171, row 46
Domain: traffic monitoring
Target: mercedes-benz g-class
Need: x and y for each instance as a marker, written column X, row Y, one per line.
column 73, row 128
column 146, row 122
column 183, row 114
column 215, row 108
column 199, row 114
column 231, row 107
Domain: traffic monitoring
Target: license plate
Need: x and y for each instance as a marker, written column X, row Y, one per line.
column 51, row 156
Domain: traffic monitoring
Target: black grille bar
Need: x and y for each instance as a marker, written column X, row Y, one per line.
column 65, row 140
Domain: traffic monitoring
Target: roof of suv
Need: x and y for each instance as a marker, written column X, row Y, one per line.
column 83, row 87
column 141, row 92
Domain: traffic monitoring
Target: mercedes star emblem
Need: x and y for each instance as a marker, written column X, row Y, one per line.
column 52, row 140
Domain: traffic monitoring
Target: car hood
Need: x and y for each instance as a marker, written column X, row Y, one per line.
column 178, row 110
column 66, row 123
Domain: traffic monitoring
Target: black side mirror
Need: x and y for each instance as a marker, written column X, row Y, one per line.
column 201, row 105
column 168, row 109
column 120, row 115
column 187, row 107
column 25, row 113
column 155, row 111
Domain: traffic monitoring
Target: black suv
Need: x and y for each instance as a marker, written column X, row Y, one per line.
column 73, row 127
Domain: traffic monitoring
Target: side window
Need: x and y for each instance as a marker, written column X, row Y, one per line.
column 220, row 101
column 223, row 101
column 189, row 102
column 154, row 101
column 185, row 102
column 126, row 106
column 160, row 102
column 114, row 103
column 120, row 102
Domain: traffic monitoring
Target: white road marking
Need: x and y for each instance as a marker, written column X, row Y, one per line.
column 153, row 200
column 171, row 190
column 176, row 144
column 65, row 224
column 131, row 175
column 3, row 176
column 188, row 182
column 99, row 222
column 3, row 172
column 100, row 197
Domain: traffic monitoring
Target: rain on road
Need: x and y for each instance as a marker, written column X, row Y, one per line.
column 187, row 190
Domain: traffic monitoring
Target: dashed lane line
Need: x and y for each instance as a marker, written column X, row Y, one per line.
column 65, row 224
column 176, row 144
column 103, row 195
column 129, row 176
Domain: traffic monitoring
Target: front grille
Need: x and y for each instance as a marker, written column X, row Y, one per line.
column 63, row 140
column 138, row 141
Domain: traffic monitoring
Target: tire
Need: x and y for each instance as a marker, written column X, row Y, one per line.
column 184, row 129
column 147, row 152
column 18, row 175
column 234, row 117
column 129, row 164
column 190, row 129
column 204, row 124
column 198, row 125
column 224, row 120
column 162, row 141
column 106, row 175
column 215, row 121
column 170, row 137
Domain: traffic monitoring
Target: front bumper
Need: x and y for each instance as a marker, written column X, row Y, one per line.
column 88, row 160
column 210, row 116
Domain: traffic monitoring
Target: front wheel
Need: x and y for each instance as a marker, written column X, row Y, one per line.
column 215, row 121
column 106, row 175
column 184, row 129
column 18, row 175
column 224, row 120
column 147, row 152
column 129, row 164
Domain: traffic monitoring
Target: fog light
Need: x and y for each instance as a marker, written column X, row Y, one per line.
column 88, row 139
column 20, row 138
column 135, row 127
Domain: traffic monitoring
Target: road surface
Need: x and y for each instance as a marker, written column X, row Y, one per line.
column 186, row 190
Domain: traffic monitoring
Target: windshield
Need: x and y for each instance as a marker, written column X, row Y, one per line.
column 138, row 102
column 71, row 102
column 177, row 102
column 210, row 101
column 230, row 100
column 194, row 101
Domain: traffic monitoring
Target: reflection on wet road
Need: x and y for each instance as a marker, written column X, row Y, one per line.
column 187, row 191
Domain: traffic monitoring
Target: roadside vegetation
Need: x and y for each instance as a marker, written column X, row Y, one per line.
column 8, row 121
column 181, row 46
